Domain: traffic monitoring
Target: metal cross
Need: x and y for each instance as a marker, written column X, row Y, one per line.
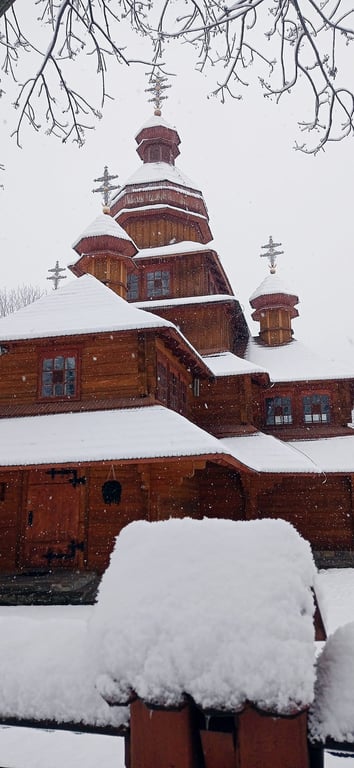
column 157, row 89
column 272, row 254
column 106, row 187
column 56, row 276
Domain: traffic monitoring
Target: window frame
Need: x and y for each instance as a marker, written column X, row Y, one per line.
column 282, row 405
column 52, row 354
column 158, row 294
column 171, row 386
column 321, row 421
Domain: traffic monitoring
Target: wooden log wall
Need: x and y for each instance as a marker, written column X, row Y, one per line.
column 320, row 508
column 110, row 366
column 221, row 493
column 224, row 405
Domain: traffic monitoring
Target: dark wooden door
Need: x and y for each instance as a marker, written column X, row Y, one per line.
column 51, row 531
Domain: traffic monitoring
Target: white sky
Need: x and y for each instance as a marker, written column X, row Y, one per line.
column 240, row 154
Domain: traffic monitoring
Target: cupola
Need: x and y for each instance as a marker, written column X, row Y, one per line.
column 274, row 304
column 158, row 204
column 157, row 141
column 105, row 251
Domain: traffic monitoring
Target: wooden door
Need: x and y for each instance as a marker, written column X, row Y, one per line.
column 51, row 530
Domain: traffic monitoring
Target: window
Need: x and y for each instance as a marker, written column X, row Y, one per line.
column 278, row 410
column 171, row 389
column 316, row 409
column 59, row 376
column 133, row 287
column 158, row 283
column 162, row 383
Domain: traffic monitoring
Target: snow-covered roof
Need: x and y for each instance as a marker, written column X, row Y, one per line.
column 152, row 172
column 228, row 364
column 154, row 122
column 210, row 299
column 265, row 453
column 271, row 284
column 331, row 454
column 186, row 246
column 159, row 207
column 295, row 362
column 150, row 432
column 216, row 609
column 83, row 305
column 103, row 225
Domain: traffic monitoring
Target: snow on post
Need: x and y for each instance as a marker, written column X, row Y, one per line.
column 216, row 609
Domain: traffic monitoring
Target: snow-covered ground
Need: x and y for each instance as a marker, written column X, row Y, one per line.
column 30, row 748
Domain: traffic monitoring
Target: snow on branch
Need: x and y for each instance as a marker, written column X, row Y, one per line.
column 286, row 45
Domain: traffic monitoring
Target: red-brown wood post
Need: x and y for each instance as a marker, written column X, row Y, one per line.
column 266, row 741
column 161, row 738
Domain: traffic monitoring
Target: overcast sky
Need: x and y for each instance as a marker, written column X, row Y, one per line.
column 239, row 154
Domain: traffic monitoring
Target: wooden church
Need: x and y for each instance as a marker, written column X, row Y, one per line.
column 135, row 391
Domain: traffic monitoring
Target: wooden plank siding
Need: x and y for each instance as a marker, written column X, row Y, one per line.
column 209, row 327
column 320, row 508
column 110, row 366
column 224, row 405
column 196, row 274
column 10, row 505
column 160, row 229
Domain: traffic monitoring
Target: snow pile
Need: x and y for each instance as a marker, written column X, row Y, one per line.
column 332, row 714
column 217, row 609
column 334, row 589
column 47, row 671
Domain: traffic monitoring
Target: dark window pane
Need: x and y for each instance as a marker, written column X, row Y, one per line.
column 58, row 363
column 47, row 364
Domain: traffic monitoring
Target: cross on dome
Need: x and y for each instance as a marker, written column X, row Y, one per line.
column 56, row 276
column 157, row 89
column 106, row 187
column 271, row 254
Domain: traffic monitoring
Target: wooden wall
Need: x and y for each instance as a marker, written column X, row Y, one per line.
column 161, row 230
column 111, row 366
column 224, row 405
column 340, row 400
column 10, row 506
column 207, row 326
column 190, row 275
column 158, row 195
column 320, row 508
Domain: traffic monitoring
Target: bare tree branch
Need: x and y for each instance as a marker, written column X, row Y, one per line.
column 304, row 48
column 12, row 299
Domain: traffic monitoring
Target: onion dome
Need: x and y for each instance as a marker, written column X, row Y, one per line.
column 105, row 251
